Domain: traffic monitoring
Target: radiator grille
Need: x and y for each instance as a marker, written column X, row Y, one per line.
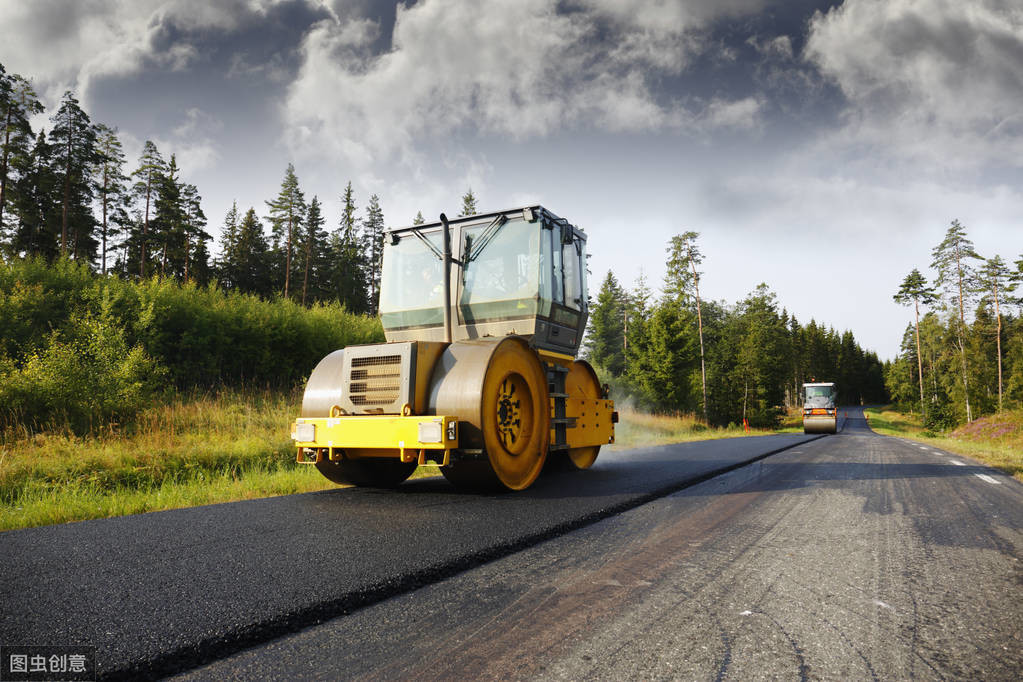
column 375, row 380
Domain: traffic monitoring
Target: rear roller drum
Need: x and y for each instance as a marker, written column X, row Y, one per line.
column 581, row 382
column 513, row 423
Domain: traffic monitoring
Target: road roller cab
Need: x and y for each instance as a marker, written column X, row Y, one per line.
column 483, row 316
column 820, row 414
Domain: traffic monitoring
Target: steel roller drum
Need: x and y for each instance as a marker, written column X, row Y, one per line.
column 323, row 389
column 821, row 424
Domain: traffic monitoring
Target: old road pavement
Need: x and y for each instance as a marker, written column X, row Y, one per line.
column 851, row 556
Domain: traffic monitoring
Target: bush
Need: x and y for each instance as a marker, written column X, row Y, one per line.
column 82, row 383
column 939, row 417
column 84, row 348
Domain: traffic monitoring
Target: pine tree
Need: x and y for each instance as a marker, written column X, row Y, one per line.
column 469, row 203
column 373, row 248
column 111, row 187
column 997, row 277
column 955, row 274
column 419, row 219
column 286, row 213
column 914, row 290
column 18, row 102
column 147, row 176
column 74, row 141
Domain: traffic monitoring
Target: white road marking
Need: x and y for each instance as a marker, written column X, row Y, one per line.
column 985, row 477
column 878, row 602
column 923, row 448
column 746, row 613
column 957, row 462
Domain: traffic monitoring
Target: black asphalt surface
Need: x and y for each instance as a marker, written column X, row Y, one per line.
column 851, row 557
column 163, row 592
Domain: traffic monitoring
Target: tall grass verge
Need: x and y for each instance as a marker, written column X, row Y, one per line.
column 995, row 440
column 640, row 429
column 204, row 448
column 197, row 449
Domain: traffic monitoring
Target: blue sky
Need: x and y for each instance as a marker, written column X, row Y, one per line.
column 821, row 147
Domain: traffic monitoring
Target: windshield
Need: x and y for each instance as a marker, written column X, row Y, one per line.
column 820, row 396
column 818, row 391
column 501, row 277
column 412, row 282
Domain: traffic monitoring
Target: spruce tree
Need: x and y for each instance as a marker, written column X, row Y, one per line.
column 314, row 267
column 605, row 340
column 682, row 282
column 251, row 255
column 419, row 219
column 147, row 178
column 226, row 263
column 196, row 257
column 469, row 203
column 373, row 248
column 348, row 279
column 37, row 203
column 74, row 142
column 286, row 213
column 168, row 225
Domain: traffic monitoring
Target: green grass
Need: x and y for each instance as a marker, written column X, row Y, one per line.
column 995, row 440
column 205, row 449
column 638, row 429
column 196, row 450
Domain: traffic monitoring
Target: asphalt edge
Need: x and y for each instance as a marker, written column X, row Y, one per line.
column 215, row 648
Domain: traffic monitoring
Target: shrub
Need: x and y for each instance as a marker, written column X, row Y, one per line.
column 82, row 382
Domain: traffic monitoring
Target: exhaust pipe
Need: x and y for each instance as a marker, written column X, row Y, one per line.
column 447, row 279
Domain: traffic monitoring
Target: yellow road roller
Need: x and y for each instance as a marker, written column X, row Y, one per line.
column 483, row 316
column 820, row 415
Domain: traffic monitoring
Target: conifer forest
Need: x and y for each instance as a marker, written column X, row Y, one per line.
column 113, row 291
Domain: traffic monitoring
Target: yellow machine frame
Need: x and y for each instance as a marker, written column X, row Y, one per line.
column 381, row 436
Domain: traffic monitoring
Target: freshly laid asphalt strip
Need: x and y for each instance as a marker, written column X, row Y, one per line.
column 162, row 592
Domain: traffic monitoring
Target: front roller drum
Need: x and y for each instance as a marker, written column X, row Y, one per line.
column 820, row 424
column 356, row 467
column 367, row 472
column 498, row 388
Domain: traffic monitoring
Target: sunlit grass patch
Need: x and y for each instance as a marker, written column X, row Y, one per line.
column 198, row 449
column 995, row 440
column 640, row 429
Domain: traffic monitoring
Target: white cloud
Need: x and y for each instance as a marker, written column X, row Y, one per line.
column 743, row 113
column 86, row 40
column 193, row 142
column 928, row 81
column 519, row 68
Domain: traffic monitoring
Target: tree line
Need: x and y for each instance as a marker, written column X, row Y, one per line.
column 69, row 193
column 681, row 352
column 963, row 358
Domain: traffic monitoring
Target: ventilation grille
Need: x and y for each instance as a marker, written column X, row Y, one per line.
column 375, row 380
